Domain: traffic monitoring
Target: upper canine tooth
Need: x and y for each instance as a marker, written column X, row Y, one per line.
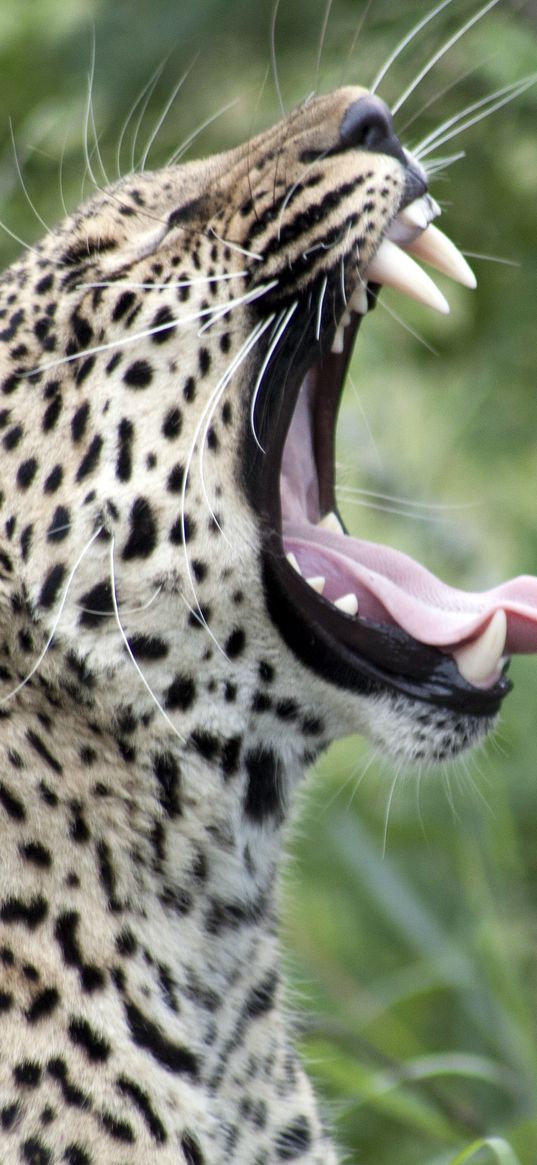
column 435, row 248
column 331, row 523
column 358, row 300
column 347, row 603
column 478, row 661
column 396, row 269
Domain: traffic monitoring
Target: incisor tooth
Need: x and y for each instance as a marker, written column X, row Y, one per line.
column 358, row 300
column 435, row 248
column 396, row 269
column 317, row 583
column 331, row 523
column 415, row 215
column 293, row 561
column 347, row 603
column 478, row 661
column 338, row 341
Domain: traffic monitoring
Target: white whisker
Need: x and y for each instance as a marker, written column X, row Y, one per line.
column 157, row 128
column 22, row 182
column 441, row 129
column 281, row 324
column 146, row 93
column 492, row 258
column 273, row 57
column 441, row 53
column 178, row 154
column 217, row 311
column 322, row 294
column 511, row 96
column 322, row 38
column 55, row 625
column 406, row 41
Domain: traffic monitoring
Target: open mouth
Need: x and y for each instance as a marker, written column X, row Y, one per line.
column 363, row 615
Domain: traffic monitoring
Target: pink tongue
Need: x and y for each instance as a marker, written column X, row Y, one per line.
column 392, row 588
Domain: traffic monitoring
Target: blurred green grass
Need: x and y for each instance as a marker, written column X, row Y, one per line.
column 410, row 904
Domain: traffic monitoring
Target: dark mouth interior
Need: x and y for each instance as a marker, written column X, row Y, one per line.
column 294, row 480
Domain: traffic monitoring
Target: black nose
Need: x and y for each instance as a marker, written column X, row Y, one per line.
column 368, row 125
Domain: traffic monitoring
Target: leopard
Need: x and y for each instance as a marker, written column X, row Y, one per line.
column 186, row 625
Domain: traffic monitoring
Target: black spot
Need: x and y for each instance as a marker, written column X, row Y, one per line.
column 41, row 749
column 172, row 424
column 35, row 1152
column 8, row 1115
column 96, row 603
column 287, row 710
column 263, row 793
column 31, row 913
column 143, row 531
column 175, row 480
column 125, row 434
column 12, row 804
column 75, row 1155
column 78, row 828
column 12, row 437
column 60, row 524
column 182, row 530
column 164, row 321
column 294, row 1140
column 54, row 480
column 261, row 702
column 79, row 422
column 81, row 1034
column 169, row 778
column 148, row 647
column 205, row 743
column 199, row 570
column 51, row 585
column 146, row 1034
column 107, row 873
column 235, row 642
column 140, row 1098
column 181, row 693
column 123, row 304
column 37, row 854
column 126, row 943
column 261, row 998
column 26, row 473
column 83, row 369
column 91, row 458
column 230, row 754
column 6, row 1001
column 138, row 375
column 51, row 414
column 204, row 361
column 189, row 389
column 28, row 1073
column 43, row 1004
column 191, row 1150
column 120, row 1130
column 45, row 284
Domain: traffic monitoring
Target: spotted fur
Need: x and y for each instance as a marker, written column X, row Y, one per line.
column 154, row 721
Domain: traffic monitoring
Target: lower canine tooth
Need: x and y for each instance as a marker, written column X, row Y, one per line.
column 348, row 604
column 358, row 300
column 396, row 269
column 338, row 341
column 478, row 661
column 317, row 583
column 331, row 523
column 293, row 561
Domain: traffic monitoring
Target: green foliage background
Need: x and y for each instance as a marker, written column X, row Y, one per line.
column 411, row 918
